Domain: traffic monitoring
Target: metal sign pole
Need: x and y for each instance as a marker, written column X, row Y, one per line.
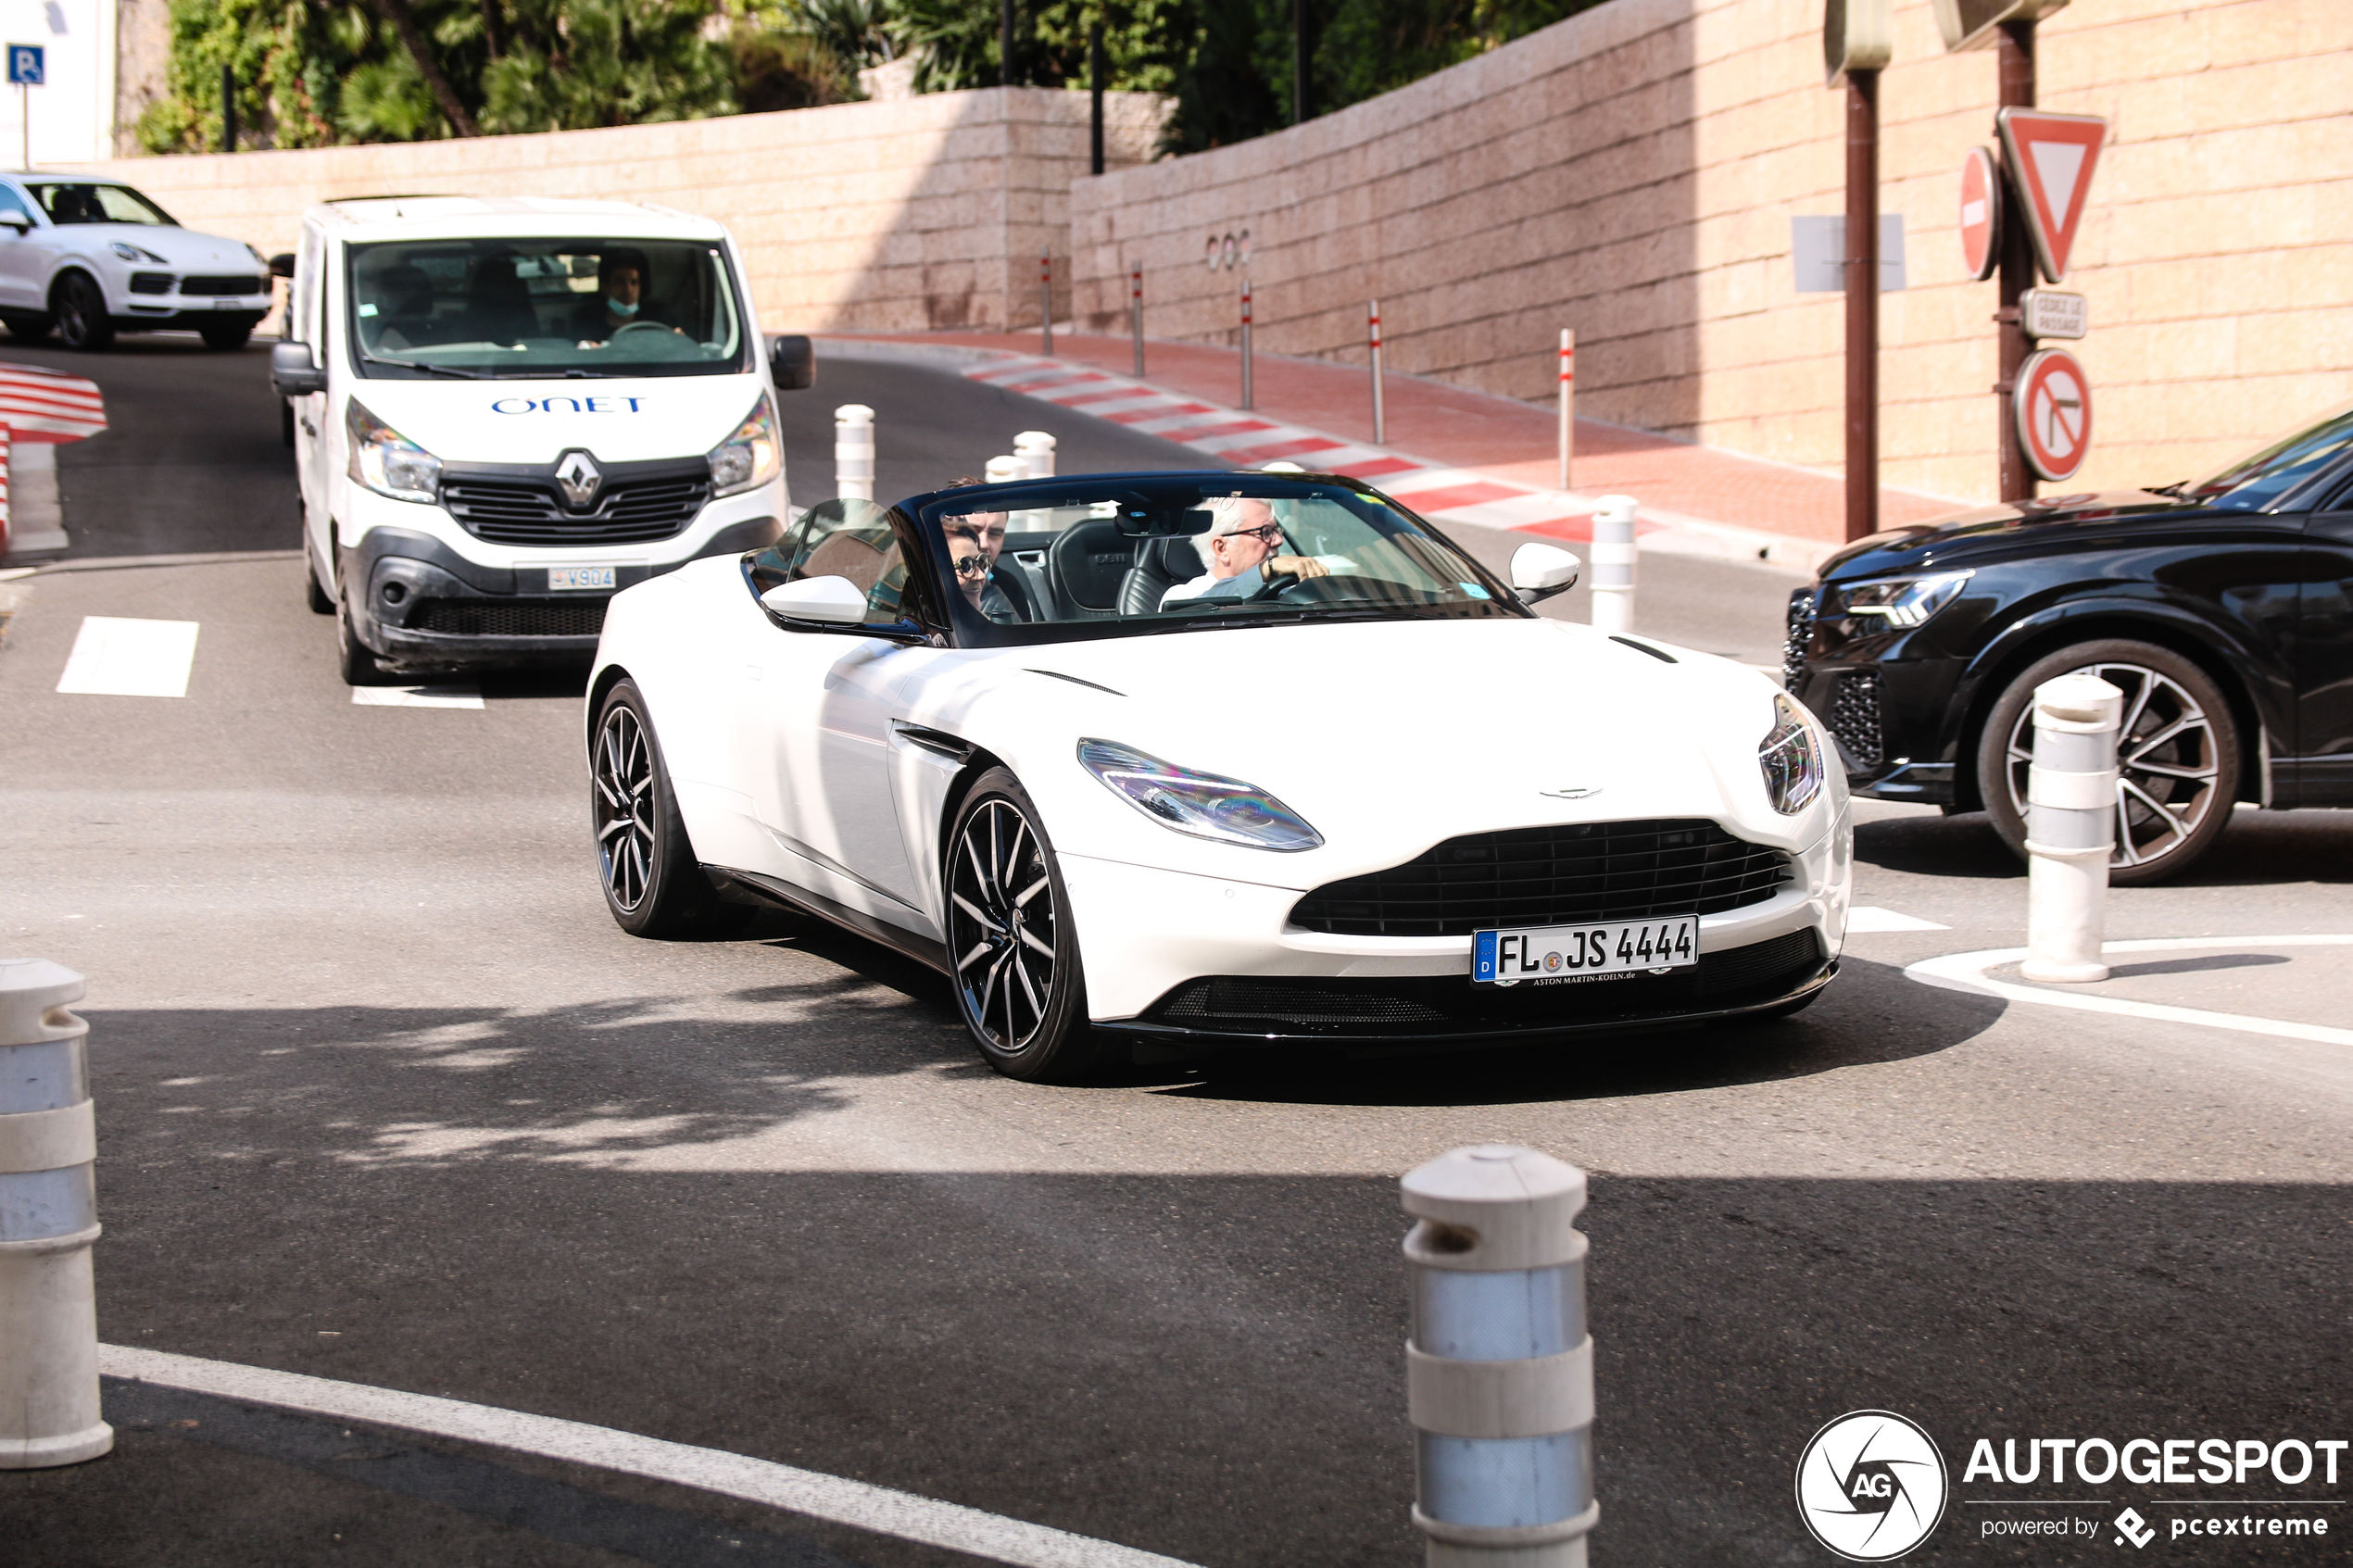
column 1046, row 306
column 1381, row 420
column 2017, row 67
column 1247, row 401
column 1136, row 313
column 1862, row 304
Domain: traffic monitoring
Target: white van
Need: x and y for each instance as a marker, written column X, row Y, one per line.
column 507, row 410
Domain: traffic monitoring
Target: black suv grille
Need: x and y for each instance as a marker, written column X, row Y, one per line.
column 1402, row 1009
column 1800, row 635
column 510, row 618
column 526, row 513
column 1564, row 876
column 1855, row 716
column 223, row 282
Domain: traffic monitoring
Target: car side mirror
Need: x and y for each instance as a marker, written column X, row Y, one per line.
column 822, row 601
column 792, row 361
column 281, row 265
column 292, row 372
column 22, row 222
column 1540, row 570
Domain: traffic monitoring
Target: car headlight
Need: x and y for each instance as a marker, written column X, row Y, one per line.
column 751, row 456
column 132, row 253
column 388, row 462
column 1904, row 602
column 1790, row 758
column 1225, row 810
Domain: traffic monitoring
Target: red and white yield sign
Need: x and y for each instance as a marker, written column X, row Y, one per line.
column 1981, row 213
column 2051, row 158
column 2053, row 409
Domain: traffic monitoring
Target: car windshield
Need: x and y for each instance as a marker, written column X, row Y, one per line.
column 551, row 308
column 1056, row 560
column 2252, row 484
column 78, row 203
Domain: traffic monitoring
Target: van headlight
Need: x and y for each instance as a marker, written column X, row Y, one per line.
column 1203, row 805
column 751, row 456
column 388, row 462
column 1790, row 758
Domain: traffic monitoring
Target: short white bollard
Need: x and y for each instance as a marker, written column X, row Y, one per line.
column 1498, row 1373
column 48, row 1218
column 1005, row 471
column 2071, row 826
column 1613, row 562
column 1036, row 448
column 854, row 451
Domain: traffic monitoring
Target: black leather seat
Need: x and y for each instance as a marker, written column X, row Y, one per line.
column 1087, row 565
column 1161, row 564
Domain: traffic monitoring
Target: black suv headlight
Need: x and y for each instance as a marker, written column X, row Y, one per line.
column 1902, row 603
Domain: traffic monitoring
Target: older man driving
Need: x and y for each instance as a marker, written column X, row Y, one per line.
column 1243, row 552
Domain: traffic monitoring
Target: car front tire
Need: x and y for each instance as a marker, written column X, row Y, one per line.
column 355, row 660
column 80, row 310
column 2177, row 756
column 1012, row 941
column 653, row 887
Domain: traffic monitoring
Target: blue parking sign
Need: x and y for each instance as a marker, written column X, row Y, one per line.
column 25, row 65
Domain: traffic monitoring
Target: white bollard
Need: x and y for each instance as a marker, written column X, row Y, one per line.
column 854, row 451
column 2071, row 826
column 1613, row 562
column 1005, row 471
column 48, row 1218
column 1499, row 1372
column 1036, row 448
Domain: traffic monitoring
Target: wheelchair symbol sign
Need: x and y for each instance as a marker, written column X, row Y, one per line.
column 26, row 65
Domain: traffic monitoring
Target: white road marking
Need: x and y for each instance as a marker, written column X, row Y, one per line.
column 1966, row 971
column 831, row 1498
column 455, row 695
column 116, row 656
column 1871, row 918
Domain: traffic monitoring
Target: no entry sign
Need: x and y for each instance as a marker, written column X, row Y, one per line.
column 1981, row 213
column 2051, row 158
column 2053, row 409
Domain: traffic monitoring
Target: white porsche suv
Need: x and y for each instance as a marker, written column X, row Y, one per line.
column 87, row 258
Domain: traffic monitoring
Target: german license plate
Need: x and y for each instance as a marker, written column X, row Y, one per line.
column 1558, row 955
column 574, row 579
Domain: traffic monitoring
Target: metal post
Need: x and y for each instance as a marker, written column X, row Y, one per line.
column 228, row 110
column 1005, row 471
column 1862, row 303
column 1046, row 306
column 1005, row 45
column 1247, row 401
column 24, row 122
column 48, row 1218
column 1036, row 448
column 1613, row 558
column 1499, row 1372
column 1135, row 312
column 2071, row 826
column 854, row 451
column 1380, row 414
column 2016, row 64
column 1568, row 400
column 1298, row 61
column 1095, row 90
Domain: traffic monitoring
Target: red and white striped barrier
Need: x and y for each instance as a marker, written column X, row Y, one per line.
column 41, row 405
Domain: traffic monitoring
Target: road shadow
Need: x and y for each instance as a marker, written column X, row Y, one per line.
column 1957, row 846
column 2257, row 848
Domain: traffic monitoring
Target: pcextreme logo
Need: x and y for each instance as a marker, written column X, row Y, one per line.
column 1871, row 1486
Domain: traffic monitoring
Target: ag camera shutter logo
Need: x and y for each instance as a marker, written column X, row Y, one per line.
column 1871, row 1486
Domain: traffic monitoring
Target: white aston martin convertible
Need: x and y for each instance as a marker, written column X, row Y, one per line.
column 1212, row 759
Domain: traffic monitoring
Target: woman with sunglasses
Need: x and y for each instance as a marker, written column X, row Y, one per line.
column 1243, row 552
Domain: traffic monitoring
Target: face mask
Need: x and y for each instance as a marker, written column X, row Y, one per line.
column 618, row 308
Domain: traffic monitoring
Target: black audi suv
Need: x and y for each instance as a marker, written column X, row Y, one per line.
column 2222, row 608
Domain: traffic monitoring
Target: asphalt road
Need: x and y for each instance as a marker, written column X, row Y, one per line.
column 385, row 1098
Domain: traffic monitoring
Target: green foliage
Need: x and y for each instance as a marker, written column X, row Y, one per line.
column 1145, row 42
column 577, row 63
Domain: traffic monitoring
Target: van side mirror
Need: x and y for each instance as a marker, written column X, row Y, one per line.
column 281, row 265
column 292, row 372
column 792, row 360
column 1540, row 570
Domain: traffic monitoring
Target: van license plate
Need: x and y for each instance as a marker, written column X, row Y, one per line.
column 1561, row 954
column 572, row 579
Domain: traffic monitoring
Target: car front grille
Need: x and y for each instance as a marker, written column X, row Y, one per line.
column 1855, row 716
column 1569, row 874
column 1443, row 1004
column 150, row 282
column 223, row 282
column 510, row 618
column 1801, row 636
column 524, row 512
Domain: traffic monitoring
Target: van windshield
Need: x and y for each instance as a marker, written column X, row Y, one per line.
column 510, row 308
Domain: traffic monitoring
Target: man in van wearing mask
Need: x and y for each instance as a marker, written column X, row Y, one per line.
column 620, row 299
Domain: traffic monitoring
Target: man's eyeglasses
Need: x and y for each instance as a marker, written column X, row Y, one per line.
column 1267, row 534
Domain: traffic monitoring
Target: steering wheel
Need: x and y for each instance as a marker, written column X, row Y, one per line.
column 627, row 327
column 1274, row 586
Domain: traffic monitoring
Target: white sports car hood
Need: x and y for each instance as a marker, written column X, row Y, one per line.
column 1388, row 737
column 625, row 419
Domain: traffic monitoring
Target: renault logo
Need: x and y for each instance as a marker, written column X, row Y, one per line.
column 578, row 479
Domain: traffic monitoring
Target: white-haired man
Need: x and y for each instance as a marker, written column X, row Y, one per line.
column 1243, row 552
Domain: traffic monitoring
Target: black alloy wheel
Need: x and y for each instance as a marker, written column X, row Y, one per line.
column 82, row 321
column 653, row 887
column 2177, row 756
column 1010, row 942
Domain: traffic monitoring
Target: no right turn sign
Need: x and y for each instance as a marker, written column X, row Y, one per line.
column 2053, row 409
